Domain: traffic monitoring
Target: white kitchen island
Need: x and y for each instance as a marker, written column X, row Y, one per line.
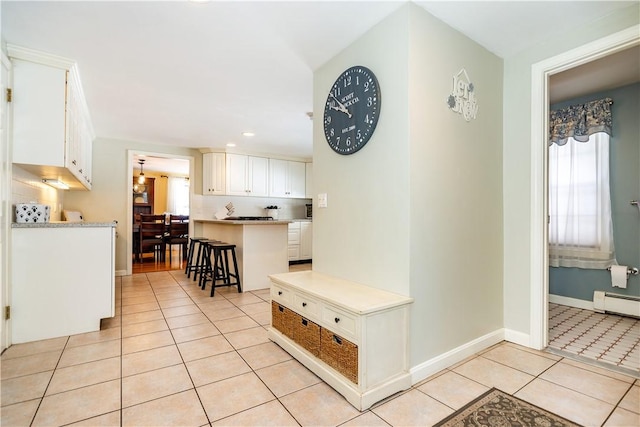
column 261, row 247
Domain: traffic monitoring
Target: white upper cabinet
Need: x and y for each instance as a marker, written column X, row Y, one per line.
column 213, row 173
column 247, row 175
column 286, row 178
column 52, row 130
column 309, row 180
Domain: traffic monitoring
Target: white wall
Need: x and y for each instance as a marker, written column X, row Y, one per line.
column 516, row 154
column 418, row 210
column 456, row 191
column 363, row 235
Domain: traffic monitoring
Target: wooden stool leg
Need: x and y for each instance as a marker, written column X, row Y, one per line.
column 235, row 268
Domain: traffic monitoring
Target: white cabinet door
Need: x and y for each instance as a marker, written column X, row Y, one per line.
column 308, row 180
column 286, row 178
column 213, row 173
column 39, row 93
column 294, row 241
column 236, row 174
column 306, row 240
column 278, row 178
column 297, row 178
column 258, row 176
column 247, row 175
column 52, row 131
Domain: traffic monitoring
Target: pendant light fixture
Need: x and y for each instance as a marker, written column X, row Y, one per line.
column 141, row 176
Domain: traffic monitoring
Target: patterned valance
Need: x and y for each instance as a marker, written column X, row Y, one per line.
column 580, row 121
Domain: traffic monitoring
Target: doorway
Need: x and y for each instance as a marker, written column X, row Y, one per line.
column 158, row 169
column 541, row 72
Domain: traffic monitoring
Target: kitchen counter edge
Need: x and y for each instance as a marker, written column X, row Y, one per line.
column 62, row 224
column 239, row 222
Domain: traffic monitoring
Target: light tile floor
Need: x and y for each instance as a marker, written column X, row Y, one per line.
column 605, row 338
column 173, row 356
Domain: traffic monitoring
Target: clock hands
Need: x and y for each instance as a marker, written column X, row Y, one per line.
column 340, row 107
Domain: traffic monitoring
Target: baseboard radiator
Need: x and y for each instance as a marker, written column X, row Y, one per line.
column 615, row 303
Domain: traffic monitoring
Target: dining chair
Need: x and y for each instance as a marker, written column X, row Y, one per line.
column 178, row 234
column 152, row 235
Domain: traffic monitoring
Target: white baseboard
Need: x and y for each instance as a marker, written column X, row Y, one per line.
column 121, row 273
column 516, row 337
column 571, row 302
column 443, row 361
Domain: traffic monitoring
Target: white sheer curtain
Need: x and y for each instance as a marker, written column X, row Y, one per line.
column 580, row 227
column 178, row 196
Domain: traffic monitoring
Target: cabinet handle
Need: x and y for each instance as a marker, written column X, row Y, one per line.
column 80, row 171
column 73, row 161
column 304, row 304
column 279, row 292
column 337, row 319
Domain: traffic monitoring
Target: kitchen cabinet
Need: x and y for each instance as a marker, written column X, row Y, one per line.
column 63, row 279
column 306, row 240
column 247, row 175
column 52, row 130
column 286, row 178
column 354, row 337
column 300, row 240
column 308, row 182
column 294, row 241
column 213, row 174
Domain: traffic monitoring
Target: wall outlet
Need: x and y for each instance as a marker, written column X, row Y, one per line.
column 322, row 200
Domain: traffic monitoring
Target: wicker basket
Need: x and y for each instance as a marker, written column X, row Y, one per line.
column 340, row 354
column 282, row 319
column 306, row 333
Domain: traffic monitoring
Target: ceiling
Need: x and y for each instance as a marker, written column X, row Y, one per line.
column 198, row 74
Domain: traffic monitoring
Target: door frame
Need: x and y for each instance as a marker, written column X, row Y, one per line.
column 129, row 225
column 6, row 215
column 540, row 73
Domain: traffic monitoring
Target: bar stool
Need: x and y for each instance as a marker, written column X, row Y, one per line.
column 206, row 264
column 201, row 258
column 190, row 259
column 221, row 269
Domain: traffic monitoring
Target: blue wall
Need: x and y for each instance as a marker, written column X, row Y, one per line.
column 625, row 186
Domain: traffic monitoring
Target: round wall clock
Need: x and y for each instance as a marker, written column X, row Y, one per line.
column 352, row 110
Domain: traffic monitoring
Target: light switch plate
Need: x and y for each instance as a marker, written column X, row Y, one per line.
column 322, row 200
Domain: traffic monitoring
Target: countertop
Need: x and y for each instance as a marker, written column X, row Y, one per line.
column 239, row 222
column 62, row 224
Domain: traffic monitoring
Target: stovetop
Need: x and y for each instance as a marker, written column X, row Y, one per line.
column 249, row 218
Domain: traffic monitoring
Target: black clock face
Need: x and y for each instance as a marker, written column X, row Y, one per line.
column 352, row 110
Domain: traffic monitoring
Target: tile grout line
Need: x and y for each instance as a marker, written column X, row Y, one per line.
column 195, row 389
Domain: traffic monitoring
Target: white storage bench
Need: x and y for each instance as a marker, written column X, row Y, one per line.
column 354, row 337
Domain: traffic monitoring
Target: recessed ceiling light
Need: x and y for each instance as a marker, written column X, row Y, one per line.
column 248, row 134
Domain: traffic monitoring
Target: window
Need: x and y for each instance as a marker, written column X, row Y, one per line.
column 580, row 225
column 178, row 196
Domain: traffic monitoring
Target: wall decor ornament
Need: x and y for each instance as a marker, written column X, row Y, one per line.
column 463, row 97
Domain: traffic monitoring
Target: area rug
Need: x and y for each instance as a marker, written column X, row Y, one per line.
column 498, row 409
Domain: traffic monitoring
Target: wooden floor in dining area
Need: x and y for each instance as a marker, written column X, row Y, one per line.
column 150, row 263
